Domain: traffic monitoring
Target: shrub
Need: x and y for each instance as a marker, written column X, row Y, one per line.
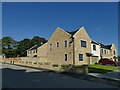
column 78, row 66
column 66, row 66
column 96, row 63
column 55, row 65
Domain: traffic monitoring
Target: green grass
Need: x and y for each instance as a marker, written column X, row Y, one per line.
column 96, row 68
column 101, row 68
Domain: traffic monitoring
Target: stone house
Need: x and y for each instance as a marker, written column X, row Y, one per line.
column 108, row 51
column 74, row 48
column 32, row 52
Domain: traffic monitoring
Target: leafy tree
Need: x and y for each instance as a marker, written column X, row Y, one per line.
column 8, row 42
column 12, row 48
column 8, row 46
column 36, row 40
column 22, row 47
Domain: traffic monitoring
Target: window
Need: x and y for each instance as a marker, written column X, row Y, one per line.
column 65, row 57
column 101, row 50
column 108, row 52
column 83, row 43
column 50, row 46
column 80, row 57
column 105, row 51
column 94, row 47
column 114, row 53
column 33, row 51
column 65, row 43
column 36, row 50
column 57, row 44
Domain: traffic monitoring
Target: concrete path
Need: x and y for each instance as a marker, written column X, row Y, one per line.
column 115, row 75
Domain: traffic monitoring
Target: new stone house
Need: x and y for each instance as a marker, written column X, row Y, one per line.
column 74, row 48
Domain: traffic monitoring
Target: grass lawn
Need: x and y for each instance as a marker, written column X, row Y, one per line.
column 101, row 68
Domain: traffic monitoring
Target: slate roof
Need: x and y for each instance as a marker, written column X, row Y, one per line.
column 105, row 46
column 102, row 45
column 35, row 47
column 95, row 42
column 72, row 32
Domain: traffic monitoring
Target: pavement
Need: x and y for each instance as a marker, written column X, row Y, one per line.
column 23, row 77
column 114, row 75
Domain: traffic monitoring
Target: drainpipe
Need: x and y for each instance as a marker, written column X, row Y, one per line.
column 73, row 51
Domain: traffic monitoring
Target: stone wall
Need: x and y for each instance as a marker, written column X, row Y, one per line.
column 57, row 54
column 82, row 35
column 34, row 62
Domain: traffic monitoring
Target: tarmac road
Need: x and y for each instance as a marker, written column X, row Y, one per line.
column 23, row 77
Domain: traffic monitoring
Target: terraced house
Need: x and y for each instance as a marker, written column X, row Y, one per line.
column 75, row 48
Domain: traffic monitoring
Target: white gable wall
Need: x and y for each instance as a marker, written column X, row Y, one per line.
column 97, row 51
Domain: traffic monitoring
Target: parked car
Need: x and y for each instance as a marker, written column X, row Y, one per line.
column 106, row 61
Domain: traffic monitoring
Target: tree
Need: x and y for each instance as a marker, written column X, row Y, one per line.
column 8, row 46
column 12, row 48
column 23, row 46
column 8, row 42
column 36, row 40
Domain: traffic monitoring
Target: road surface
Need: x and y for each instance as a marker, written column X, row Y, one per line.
column 22, row 77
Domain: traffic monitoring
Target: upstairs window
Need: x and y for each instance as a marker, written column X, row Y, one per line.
column 80, row 57
column 105, row 51
column 66, row 57
column 50, row 46
column 94, row 47
column 114, row 53
column 33, row 51
column 57, row 44
column 101, row 50
column 65, row 43
column 83, row 44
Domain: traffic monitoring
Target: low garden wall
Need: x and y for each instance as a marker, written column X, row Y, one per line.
column 44, row 64
column 36, row 62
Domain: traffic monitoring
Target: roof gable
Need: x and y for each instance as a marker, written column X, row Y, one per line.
column 72, row 32
column 57, row 31
column 82, row 32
